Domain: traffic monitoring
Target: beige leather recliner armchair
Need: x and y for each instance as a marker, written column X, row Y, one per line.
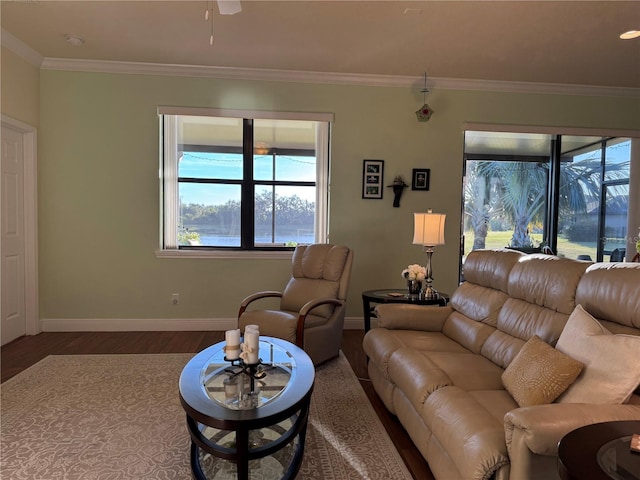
column 312, row 305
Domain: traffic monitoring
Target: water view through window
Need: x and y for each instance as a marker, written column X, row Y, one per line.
column 210, row 211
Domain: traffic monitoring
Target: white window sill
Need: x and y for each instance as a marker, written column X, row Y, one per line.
column 276, row 254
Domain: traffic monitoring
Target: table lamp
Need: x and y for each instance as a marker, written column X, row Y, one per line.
column 428, row 231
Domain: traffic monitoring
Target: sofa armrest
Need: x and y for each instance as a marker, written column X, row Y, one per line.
column 541, row 427
column 428, row 318
column 535, row 431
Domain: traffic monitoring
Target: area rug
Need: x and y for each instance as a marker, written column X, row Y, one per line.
column 113, row 417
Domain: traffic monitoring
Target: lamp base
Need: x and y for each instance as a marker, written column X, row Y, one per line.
column 430, row 293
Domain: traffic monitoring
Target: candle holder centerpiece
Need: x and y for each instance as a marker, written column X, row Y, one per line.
column 242, row 384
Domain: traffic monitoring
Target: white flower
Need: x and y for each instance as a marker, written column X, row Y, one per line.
column 415, row 272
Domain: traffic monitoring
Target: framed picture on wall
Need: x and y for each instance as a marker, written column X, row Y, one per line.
column 372, row 173
column 420, row 179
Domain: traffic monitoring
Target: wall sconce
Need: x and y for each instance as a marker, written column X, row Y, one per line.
column 398, row 186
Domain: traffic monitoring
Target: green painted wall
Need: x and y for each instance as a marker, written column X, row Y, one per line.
column 19, row 88
column 99, row 190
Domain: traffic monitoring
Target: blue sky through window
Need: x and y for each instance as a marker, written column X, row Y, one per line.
column 228, row 166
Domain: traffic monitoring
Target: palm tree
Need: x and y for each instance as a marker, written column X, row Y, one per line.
column 478, row 206
column 519, row 192
column 516, row 190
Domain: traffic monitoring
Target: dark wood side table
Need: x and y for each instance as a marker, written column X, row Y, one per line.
column 394, row 295
column 599, row 451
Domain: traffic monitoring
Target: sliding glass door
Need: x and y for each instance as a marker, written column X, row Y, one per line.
column 529, row 191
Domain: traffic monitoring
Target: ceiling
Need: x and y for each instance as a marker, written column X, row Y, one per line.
column 539, row 42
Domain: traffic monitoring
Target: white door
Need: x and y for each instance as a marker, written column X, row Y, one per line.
column 12, row 243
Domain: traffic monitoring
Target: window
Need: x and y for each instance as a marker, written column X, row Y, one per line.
column 235, row 180
column 595, row 182
column 527, row 190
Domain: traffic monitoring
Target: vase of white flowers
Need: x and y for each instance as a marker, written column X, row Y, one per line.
column 415, row 275
column 414, row 287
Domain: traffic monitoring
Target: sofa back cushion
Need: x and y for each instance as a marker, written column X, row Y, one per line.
column 490, row 268
column 609, row 292
column 478, row 300
column 542, row 291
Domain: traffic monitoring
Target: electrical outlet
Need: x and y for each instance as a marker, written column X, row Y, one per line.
column 175, row 298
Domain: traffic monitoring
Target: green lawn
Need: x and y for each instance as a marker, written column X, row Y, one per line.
column 565, row 247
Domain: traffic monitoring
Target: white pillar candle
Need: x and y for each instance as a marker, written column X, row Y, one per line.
column 251, row 339
column 232, row 341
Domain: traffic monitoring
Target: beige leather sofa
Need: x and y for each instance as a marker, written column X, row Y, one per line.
column 440, row 369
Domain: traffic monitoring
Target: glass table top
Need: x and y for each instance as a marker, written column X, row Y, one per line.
column 236, row 386
column 617, row 461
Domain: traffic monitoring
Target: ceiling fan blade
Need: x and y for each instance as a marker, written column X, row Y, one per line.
column 229, row 7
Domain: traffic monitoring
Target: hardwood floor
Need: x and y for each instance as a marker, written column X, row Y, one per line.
column 25, row 351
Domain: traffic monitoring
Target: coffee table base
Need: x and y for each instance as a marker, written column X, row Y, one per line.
column 276, row 450
column 268, row 434
column 203, row 468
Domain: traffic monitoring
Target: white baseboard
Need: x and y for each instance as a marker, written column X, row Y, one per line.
column 136, row 324
column 155, row 324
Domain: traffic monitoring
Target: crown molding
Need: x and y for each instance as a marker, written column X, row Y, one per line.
column 532, row 87
column 232, row 73
column 20, row 48
column 136, row 68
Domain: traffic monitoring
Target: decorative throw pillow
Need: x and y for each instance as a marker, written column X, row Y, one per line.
column 539, row 373
column 612, row 362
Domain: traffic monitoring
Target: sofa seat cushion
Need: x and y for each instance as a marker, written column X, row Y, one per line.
column 383, row 386
column 471, row 435
column 416, row 375
column 497, row 402
column 427, row 341
column 380, row 343
column 469, row 371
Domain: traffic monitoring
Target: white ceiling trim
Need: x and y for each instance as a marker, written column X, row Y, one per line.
column 530, row 87
column 20, row 48
column 234, row 73
column 135, row 68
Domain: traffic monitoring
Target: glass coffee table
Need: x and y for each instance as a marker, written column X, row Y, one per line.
column 245, row 419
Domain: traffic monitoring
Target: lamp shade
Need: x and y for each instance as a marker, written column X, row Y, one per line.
column 428, row 228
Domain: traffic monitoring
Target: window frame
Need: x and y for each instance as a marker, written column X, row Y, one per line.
column 169, row 182
column 550, row 234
